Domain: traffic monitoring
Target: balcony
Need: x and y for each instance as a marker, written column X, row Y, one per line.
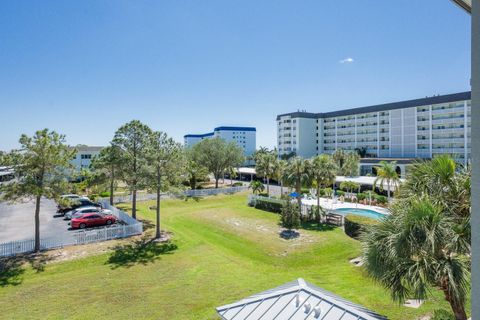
column 423, row 113
column 449, row 120
column 448, row 150
column 346, row 135
column 448, row 140
column 457, row 129
column 455, row 109
column 366, row 135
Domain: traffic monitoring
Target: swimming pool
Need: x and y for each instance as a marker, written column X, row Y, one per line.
column 361, row 212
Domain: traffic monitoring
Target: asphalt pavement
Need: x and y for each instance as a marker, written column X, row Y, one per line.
column 17, row 221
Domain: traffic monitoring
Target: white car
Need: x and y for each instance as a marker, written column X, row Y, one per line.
column 72, row 196
column 83, row 210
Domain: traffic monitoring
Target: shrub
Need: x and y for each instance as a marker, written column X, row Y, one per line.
column 263, row 194
column 442, row 314
column 381, row 199
column 361, row 196
column 305, row 191
column 355, row 224
column 93, row 197
column 105, row 194
column 290, row 215
column 271, row 206
column 327, row 192
column 340, row 193
column 238, row 184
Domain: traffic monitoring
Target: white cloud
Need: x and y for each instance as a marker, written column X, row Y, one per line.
column 346, row 60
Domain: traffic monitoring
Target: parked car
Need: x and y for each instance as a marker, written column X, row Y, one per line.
column 92, row 220
column 77, row 203
column 83, row 210
column 71, row 197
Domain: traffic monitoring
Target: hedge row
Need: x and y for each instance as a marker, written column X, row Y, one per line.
column 266, row 205
column 355, row 224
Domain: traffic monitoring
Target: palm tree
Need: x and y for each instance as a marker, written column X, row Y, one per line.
column 258, row 153
column 265, row 167
column 339, row 157
column 297, row 175
column 351, row 164
column 386, row 174
column 444, row 181
column 323, row 171
column 256, row 186
column 448, row 185
column 279, row 172
column 416, row 248
column 349, row 186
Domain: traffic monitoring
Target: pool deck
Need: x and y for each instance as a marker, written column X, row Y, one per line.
column 337, row 204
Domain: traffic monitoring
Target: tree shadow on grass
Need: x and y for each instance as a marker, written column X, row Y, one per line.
column 289, row 234
column 13, row 268
column 11, row 271
column 147, row 224
column 143, row 251
column 194, row 198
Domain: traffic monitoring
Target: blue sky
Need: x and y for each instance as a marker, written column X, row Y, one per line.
column 83, row 68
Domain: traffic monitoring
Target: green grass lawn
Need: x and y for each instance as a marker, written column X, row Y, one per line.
column 225, row 252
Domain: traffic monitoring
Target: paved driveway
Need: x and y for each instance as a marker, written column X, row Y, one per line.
column 17, row 221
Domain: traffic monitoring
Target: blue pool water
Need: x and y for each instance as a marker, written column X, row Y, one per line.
column 361, row 212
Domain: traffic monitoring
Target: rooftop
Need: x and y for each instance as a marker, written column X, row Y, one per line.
column 82, row 147
column 222, row 128
column 397, row 160
column 235, row 129
column 384, row 107
column 198, row 135
column 296, row 300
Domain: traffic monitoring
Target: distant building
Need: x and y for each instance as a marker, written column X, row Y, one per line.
column 192, row 139
column 244, row 137
column 6, row 174
column 84, row 156
column 420, row 128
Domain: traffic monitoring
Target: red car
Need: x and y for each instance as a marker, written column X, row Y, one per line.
column 92, row 220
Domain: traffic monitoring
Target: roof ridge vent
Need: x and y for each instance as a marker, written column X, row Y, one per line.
column 298, row 300
column 307, row 307
column 317, row 311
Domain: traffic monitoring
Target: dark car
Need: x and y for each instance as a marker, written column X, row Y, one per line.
column 77, row 203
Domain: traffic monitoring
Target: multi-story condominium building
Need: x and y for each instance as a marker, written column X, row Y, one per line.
column 245, row 137
column 84, row 156
column 420, row 128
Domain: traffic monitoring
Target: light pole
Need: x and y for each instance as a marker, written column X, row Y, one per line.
column 473, row 8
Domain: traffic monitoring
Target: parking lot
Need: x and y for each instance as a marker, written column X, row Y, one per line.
column 17, row 222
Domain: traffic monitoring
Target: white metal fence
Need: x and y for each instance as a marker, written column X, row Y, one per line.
column 77, row 238
column 128, row 227
column 128, row 198
column 211, row 192
column 331, row 216
column 108, row 233
column 187, row 193
column 121, row 215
